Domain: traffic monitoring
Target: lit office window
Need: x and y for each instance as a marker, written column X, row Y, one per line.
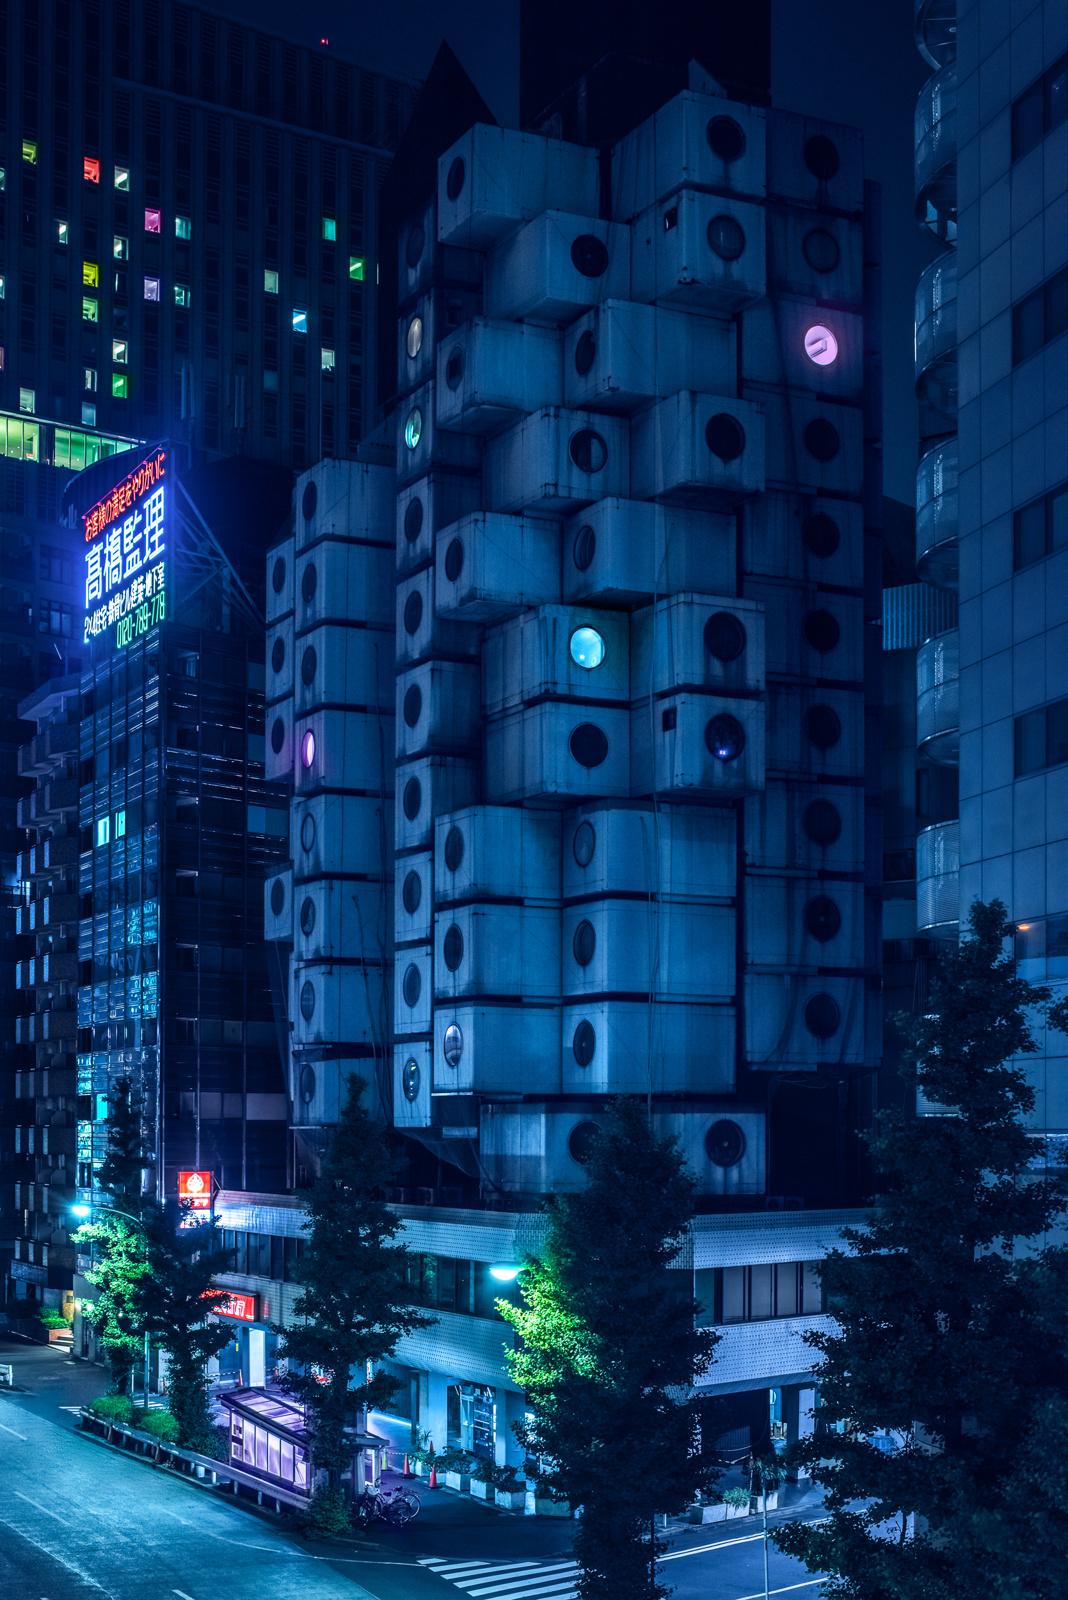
column 183, row 228
column 330, row 229
column 90, row 309
column 27, row 400
column 120, row 351
column 122, row 178
column 329, row 360
column 120, row 824
column 3, row 287
column 270, row 281
column 103, row 830
column 120, row 385
column 89, row 379
column 120, row 247
column 62, row 232
column 91, row 274
column 182, row 295
column 357, row 266
column 300, row 321
column 89, row 413
column 3, row 179
column 153, row 219
column 151, row 288
column 91, row 169
column 29, row 151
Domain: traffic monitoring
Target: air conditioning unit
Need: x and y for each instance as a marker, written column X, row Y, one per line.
column 345, row 582
column 412, row 1078
column 813, row 445
column 278, row 751
column 493, row 178
column 427, row 505
column 695, row 139
column 413, row 989
column 698, row 447
column 280, row 580
column 421, row 444
column 427, row 788
column 684, row 853
column 557, row 461
column 811, row 827
column 809, row 923
column 670, row 950
column 490, row 373
column 815, row 732
column 557, row 753
column 331, row 834
column 493, row 951
column 813, row 634
column 278, row 907
column 804, row 539
column 280, row 660
column 427, row 321
column 438, row 708
column 795, row 1022
column 338, row 665
column 816, row 257
column 556, row 267
column 413, row 898
column 342, row 918
column 622, row 552
column 724, row 1147
column 562, row 651
column 699, row 252
column 491, row 852
column 490, row 566
column 697, row 641
column 422, row 630
column 622, row 355
column 632, row 1047
column 703, row 747
column 343, row 749
column 815, row 164
column 502, row 1049
column 336, row 1004
column 349, row 499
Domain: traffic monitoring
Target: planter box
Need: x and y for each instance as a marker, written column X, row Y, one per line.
column 537, row 1506
column 420, row 1469
column 772, row 1500
column 480, row 1490
column 702, row 1514
column 460, row 1481
column 55, row 1335
column 511, row 1499
column 736, row 1511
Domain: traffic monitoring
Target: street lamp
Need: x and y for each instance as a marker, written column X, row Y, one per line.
column 84, row 1213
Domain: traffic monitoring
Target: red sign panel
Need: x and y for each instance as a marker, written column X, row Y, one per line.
column 194, row 1189
column 242, row 1307
column 118, row 500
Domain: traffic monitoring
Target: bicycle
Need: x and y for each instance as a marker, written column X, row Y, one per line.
column 396, row 1507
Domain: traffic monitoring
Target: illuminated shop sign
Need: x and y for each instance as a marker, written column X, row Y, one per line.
column 125, row 549
column 194, row 1189
column 241, row 1307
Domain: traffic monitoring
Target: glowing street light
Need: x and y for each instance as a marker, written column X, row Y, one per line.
column 505, row 1274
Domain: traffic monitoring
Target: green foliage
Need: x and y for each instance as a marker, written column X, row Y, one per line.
column 951, row 1327
column 53, row 1320
column 455, row 1461
column 735, row 1496
column 160, row 1424
column 607, row 1345
column 483, row 1470
column 120, row 1275
column 113, row 1408
column 355, row 1302
column 328, row 1511
column 504, row 1479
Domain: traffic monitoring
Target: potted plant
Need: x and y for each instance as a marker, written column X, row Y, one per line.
column 483, row 1479
column 456, row 1465
column 709, row 1508
column 509, row 1493
column 765, row 1479
column 736, row 1501
column 54, row 1323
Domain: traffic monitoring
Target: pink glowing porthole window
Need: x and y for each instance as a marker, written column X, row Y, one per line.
column 821, row 346
column 307, row 748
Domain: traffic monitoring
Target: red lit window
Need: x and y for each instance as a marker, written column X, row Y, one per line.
column 91, row 169
column 153, row 219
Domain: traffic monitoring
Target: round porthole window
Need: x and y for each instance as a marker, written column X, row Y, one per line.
column 309, row 583
column 307, row 916
column 413, row 519
column 822, row 918
column 278, row 654
column 725, row 737
column 307, row 832
column 452, row 948
column 725, row 1143
column 821, row 631
column 725, row 436
column 309, row 662
column 588, row 450
column 584, row 943
column 454, row 848
column 413, row 339
column 822, row 822
column 822, row 1016
column 820, row 250
column 278, row 735
column 278, row 897
column 821, row 439
column 307, row 748
column 821, row 157
column 587, row 648
column 454, row 368
column 307, row 1000
column 588, row 745
column 309, row 500
column 413, row 611
column 585, row 352
column 453, row 1045
column 583, row 844
column 307, row 1083
column 414, row 245
column 821, row 534
column 726, row 237
column 821, row 346
column 584, row 1043
column 724, row 636
column 580, row 1141
column 412, row 705
column 454, row 559
column 589, row 255
column 410, row 1077
column 455, row 178
column 411, row 892
column 411, row 985
column 278, row 575
column 413, row 428
column 726, row 138
column 412, row 798
column 823, row 726
column 584, row 547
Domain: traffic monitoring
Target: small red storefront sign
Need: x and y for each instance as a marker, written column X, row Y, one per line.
column 241, row 1307
column 194, row 1189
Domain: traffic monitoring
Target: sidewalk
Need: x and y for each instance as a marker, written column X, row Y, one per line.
column 797, row 1501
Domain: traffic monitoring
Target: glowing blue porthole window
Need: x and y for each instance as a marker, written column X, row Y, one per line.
column 413, row 428
column 587, row 648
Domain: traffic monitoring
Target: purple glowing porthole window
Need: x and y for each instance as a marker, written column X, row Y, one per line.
column 307, row 748
column 821, row 346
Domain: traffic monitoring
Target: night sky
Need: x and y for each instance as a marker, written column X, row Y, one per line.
column 855, row 63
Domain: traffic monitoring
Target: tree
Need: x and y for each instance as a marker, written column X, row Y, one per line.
column 355, row 1302
column 609, row 1354
column 951, row 1336
column 123, row 1168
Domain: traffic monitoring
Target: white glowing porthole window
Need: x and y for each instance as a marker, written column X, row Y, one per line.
column 307, row 748
column 821, row 346
column 587, row 648
column 414, row 340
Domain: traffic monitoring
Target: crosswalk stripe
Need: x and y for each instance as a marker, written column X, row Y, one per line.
column 508, row 1580
column 529, row 1588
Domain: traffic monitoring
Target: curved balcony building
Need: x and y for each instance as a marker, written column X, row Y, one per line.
column 937, row 515
column 936, row 31
column 938, row 699
column 936, row 153
column 937, row 870
column 936, row 346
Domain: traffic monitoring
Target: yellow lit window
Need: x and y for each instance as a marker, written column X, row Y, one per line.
column 29, row 151
column 91, row 274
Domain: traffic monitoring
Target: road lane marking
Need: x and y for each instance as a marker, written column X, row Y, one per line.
column 808, row 1583
column 53, row 1555
column 13, row 1434
column 182, row 1594
column 717, row 1544
column 39, row 1507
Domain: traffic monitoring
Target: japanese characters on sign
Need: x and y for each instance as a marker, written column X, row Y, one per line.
column 125, row 535
column 194, row 1189
column 241, row 1307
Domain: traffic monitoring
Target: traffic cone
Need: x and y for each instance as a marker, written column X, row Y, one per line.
column 407, row 1471
column 432, row 1481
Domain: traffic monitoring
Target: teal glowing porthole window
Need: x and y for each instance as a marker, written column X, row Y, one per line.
column 413, row 428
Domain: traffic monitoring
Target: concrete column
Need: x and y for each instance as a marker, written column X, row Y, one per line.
column 257, row 1357
column 510, row 1409
column 434, row 1413
column 798, row 1406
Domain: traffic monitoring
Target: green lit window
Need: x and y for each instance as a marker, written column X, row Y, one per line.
column 89, row 379
column 122, row 178
column 29, row 151
column 91, row 274
column 183, row 228
column 357, row 266
column 329, row 359
column 62, row 232
column 120, row 247
column 300, row 321
column 3, row 286
column 120, row 351
column 270, row 280
column 77, row 450
column 103, row 830
column 3, row 179
column 28, row 400
column 90, row 309
column 182, row 295
column 18, row 439
column 120, row 385
column 330, row 228
column 120, row 824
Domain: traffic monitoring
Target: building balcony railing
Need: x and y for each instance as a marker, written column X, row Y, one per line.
column 936, row 345
column 50, row 745
column 938, row 698
column 48, row 802
column 935, row 132
column 936, row 30
column 937, row 515
column 937, row 880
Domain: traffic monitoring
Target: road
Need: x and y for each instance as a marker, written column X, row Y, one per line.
column 82, row 1522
